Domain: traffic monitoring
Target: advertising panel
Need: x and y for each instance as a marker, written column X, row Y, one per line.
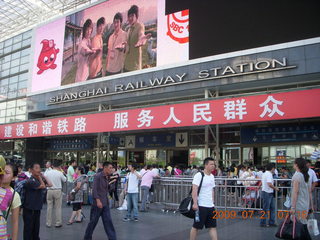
column 265, row 107
column 107, row 39
column 119, row 36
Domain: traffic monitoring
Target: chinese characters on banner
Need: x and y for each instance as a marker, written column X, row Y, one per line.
column 268, row 107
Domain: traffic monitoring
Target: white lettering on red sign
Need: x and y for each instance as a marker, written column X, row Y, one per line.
column 274, row 109
column 8, row 131
column 145, row 118
column 172, row 116
column 121, row 120
column 235, row 108
column 80, row 124
column 46, row 127
column 201, row 111
column 33, row 129
column 19, row 130
column 62, row 126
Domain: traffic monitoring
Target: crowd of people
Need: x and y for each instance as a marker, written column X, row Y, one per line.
column 25, row 192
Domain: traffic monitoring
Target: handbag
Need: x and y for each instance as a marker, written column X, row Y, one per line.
column 313, row 225
column 185, row 207
column 290, row 229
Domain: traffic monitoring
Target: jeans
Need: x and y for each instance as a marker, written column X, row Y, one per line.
column 95, row 214
column 268, row 208
column 132, row 204
column 145, row 193
column 31, row 220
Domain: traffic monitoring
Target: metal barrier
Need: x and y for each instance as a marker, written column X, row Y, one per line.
column 230, row 193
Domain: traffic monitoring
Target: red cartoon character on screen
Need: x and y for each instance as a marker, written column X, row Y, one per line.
column 48, row 56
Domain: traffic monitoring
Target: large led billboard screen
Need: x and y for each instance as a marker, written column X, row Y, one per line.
column 118, row 36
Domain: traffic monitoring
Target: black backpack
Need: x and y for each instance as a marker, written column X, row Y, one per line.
column 185, row 207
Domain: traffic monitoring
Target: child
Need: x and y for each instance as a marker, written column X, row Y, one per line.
column 5, row 199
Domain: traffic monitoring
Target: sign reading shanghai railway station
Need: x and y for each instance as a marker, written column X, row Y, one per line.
column 239, row 69
column 266, row 107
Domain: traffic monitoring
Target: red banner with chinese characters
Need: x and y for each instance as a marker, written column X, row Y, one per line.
column 266, row 107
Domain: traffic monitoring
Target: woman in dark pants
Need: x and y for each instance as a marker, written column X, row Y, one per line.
column 78, row 199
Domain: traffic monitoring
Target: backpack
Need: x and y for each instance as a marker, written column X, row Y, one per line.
column 20, row 188
column 185, row 207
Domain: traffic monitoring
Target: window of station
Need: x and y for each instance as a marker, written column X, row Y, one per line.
column 196, row 156
column 230, row 155
column 12, row 111
column 156, row 157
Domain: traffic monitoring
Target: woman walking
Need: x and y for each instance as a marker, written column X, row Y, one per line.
column 77, row 191
column 301, row 199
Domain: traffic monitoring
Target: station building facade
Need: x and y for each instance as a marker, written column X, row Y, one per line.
column 254, row 105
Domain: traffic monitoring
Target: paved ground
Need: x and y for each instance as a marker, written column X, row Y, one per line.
column 155, row 225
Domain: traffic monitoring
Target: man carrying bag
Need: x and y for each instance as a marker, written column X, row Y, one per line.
column 203, row 203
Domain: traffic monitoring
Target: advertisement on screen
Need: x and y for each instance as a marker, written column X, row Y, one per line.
column 113, row 37
column 119, row 36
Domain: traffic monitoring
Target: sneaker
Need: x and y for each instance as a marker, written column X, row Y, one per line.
column 126, row 219
column 263, row 225
column 136, row 219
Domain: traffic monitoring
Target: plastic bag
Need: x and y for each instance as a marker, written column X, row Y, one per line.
column 313, row 226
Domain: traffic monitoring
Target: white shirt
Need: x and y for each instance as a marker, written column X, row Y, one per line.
column 205, row 195
column 133, row 183
column 156, row 171
column 28, row 174
column 259, row 174
column 313, row 176
column 267, row 178
column 56, row 177
column 47, row 170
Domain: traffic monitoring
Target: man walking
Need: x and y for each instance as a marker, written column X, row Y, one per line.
column 267, row 195
column 54, row 194
column 203, row 202
column 100, row 206
column 132, row 189
column 33, row 202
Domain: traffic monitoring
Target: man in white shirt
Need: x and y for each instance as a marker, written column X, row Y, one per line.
column 54, row 194
column 268, row 203
column 313, row 176
column 132, row 189
column 203, row 203
column 48, row 167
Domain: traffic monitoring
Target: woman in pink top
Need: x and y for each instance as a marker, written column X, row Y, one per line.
column 84, row 52
column 177, row 171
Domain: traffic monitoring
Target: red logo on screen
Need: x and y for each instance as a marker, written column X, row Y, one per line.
column 47, row 56
column 178, row 26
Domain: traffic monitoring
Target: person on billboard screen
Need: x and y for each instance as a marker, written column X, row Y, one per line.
column 116, row 44
column 84, row 51
column 136, row 39
column 97, row 44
